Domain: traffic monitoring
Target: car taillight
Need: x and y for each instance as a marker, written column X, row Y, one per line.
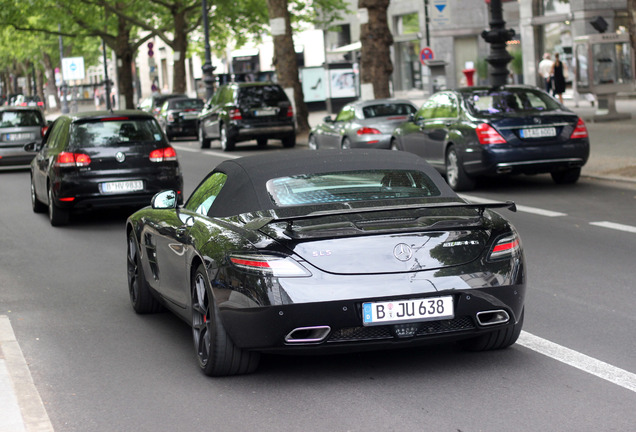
column 506, row 247
column 580, row 131
column 170, row 117
column 163, row 155
column 235, row 114
column 367, row 131
column 44, row 129
column 68, row 159
column 290, row 111
column 487, row 134
column 269, row 264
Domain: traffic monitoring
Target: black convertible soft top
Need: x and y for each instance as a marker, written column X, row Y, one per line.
column 245, row 188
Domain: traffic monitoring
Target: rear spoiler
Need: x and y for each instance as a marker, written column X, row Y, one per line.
column 260, row 222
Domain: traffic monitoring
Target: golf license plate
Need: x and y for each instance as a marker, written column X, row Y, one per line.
column 411, row 310
column 122, row 186
column 538, row 132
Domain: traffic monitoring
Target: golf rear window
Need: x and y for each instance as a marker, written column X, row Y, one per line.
column 350, row 186
column 106, row 133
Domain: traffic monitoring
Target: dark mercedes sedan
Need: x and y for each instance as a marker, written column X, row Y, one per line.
column 101, row 159
column 330, row 251
column 179, row 117
column 488, row 131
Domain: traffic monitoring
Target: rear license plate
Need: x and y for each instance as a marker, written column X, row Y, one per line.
column 424, row 309
column 19, row 136
column 122, row 186
column 538, row 132
column 266, row 112
column 189, row 116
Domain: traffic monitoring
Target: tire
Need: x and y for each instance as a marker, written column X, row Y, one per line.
column 36, row 204
column 289, row 141
column 216, row 353
column 455, row 175
column 141, row 299
column 261, row 142
column 57, row 215
column 394, row 145
column 346, row 144
column 169, row 136
column 227, row 143
column 568, row 176
column 495, row 340
column 312, row 142
column 204, row 140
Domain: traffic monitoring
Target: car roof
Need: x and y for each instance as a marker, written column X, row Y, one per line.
column 20, row 108
column 99, row 115
column 372, row 102
column 245, row 187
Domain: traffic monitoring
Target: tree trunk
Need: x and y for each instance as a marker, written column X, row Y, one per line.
column 375, row 53
column 179, row 45
column 125, row 55
column 286, row 63
column 50, row 76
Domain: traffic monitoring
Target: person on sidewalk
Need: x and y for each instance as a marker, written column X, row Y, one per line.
column 558, row 77
column 545, row 69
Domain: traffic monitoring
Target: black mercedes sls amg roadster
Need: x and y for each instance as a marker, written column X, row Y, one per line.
column 326, row 251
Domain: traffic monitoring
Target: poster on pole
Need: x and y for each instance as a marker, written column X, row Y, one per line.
column 73, row 68
column 439, row 12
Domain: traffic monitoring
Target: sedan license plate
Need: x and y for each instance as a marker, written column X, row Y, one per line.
column 122, row 186
column 19, row 136
column 411, row 310
column 270, row 111
column 538, row 132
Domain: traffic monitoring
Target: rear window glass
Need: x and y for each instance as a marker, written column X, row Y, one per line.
column 114, row 132
column 350, row 186
column 487, row 102
column 388, row 109
column 185, row 104
column 20, row 119
column 265, row 95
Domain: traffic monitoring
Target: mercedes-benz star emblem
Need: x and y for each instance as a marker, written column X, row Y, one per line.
column 402, row 251
column 120, row 157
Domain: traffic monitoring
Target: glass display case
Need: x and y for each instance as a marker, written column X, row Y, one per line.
column 603, row 63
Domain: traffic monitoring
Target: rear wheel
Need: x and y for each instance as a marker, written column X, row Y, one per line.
column 38, row 207
column 456, row 177
column 567, row 176
column 216, row 353
column 312, row 143
column 394, row 144
column 142, row 300
column 261, row 142
column 57, row 215
column 227, row 143
column 203, row 140
column 289, row 141
column 497, row 339
column 346, row 144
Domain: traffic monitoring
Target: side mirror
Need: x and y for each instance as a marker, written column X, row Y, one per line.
column 165, row 200
column 327, row 119
column 33, row 146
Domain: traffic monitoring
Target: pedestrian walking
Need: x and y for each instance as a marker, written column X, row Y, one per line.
column 558, row 77
column 545, row 69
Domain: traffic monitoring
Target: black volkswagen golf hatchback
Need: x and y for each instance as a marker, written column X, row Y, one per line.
column 101, row 159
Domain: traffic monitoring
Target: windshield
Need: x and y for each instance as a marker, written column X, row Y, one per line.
column 186, row 104
column 20, row 119
column 350, row 186
column 493, row 102
column 108, row 132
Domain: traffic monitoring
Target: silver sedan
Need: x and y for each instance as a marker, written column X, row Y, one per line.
column 362, row 124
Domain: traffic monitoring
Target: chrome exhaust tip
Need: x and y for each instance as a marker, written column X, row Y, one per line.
column 306, row 335
column 488, row 318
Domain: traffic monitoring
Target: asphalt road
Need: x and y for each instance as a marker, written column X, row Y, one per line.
column 97, row 366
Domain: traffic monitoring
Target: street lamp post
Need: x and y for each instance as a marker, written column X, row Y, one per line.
column 207, row 68
column 497, row 37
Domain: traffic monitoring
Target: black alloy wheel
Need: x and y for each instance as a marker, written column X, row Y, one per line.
column 497, row 339
column 203, row 139
column 38, row 207
column 57, row 215
column 141, row 299
column 289, row 141
column 568, row 176
column 216, row 353
column 261, row 142
column 227, row 143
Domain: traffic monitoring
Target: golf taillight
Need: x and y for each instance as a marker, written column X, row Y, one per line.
column 68, row 159
column 505, row 247
column 235, row 114
column 580, row 131
column 43, row 130
column 163, row 155
column 487, row 134
column 290, row 111
column 268, row 264
column 367, row 131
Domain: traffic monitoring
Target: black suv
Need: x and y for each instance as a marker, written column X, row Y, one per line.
column 247, row 111
column 101, row 159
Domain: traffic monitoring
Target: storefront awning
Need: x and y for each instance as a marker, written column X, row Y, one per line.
column 346, row 48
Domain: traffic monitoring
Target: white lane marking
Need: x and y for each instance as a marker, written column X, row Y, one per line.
column 580, row 361
column 521, row 208
column 615, row 226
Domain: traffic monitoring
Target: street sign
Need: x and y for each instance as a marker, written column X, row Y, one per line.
column 73, row 68
column 426, row 54
column 439, row 12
